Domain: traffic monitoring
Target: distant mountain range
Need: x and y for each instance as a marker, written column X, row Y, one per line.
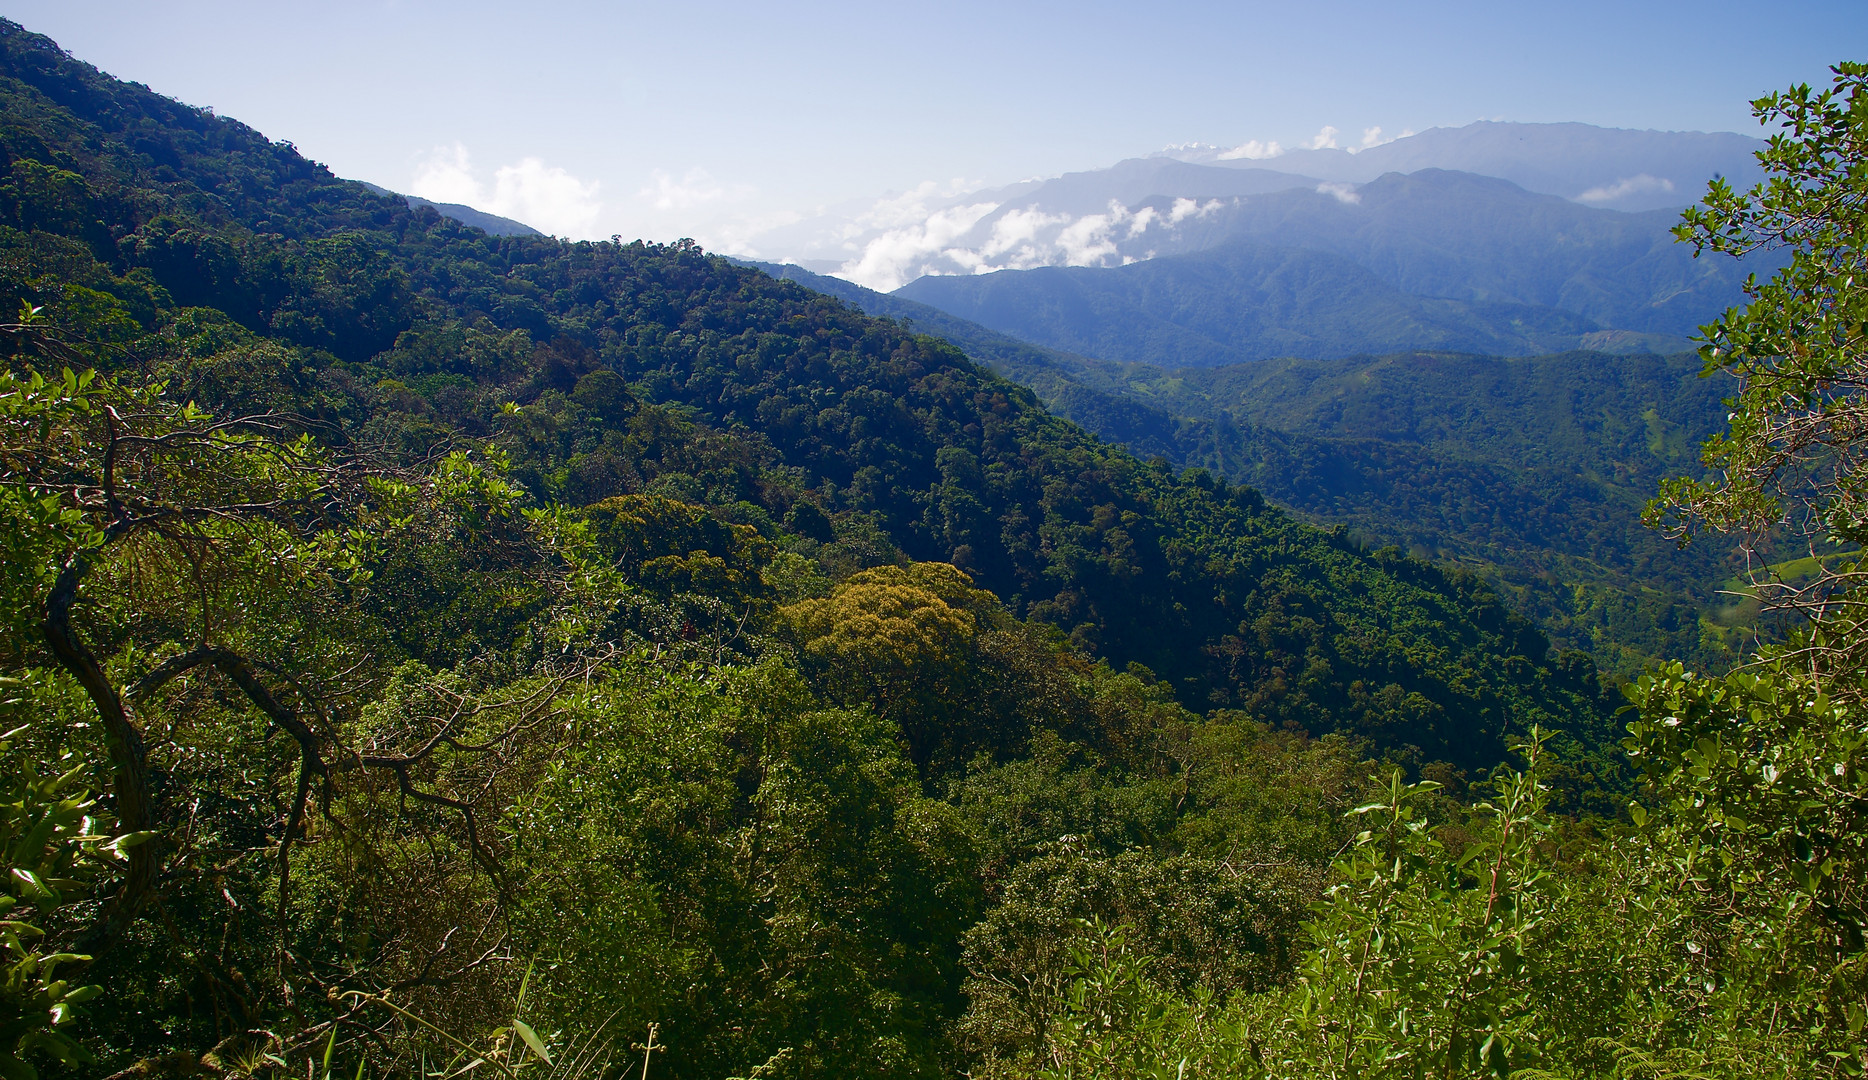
column 1181, row 200
column 1432, row 260
column 1614, row 168
column 1242, row 302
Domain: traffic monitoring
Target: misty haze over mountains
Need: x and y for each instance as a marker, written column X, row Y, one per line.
column 1431, row 260
column 1182, row 200
column 491, row 224
column 1613, row 168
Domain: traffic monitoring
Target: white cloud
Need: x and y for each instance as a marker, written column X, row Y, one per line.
column 447, row 177
column 1185, row 208
column 1090, row 240
column 1342, row 193
column 1252, row 150
column 1324, row 139
column 734, row 236
column 543, row 196
column 546, row 197
column 960, row 240
column 1194, row 149
column 1016, row 234
column 911, row 206
column 696, row 187
column 1372, row 137
column 1639, row 184
column 1086, row 241
column 888, row 260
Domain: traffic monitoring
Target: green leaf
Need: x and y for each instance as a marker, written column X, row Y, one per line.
column 532, row 1040
column 129, row 840
column 1493, row 1053
column 34, row 889
column 525, row 984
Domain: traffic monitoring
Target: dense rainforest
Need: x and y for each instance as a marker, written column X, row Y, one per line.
column 1530, row 472
column 432, row 653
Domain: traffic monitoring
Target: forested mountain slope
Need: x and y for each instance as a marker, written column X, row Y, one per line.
column 743, row 390
column 1534, row 467
column 677, row 703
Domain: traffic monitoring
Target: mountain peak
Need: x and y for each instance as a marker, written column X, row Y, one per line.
column 1610, row 168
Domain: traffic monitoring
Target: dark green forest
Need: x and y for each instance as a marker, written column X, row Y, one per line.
column 430, row 653
column 1530, row 472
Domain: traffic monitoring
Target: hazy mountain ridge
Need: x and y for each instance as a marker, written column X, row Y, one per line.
column 1460, row 235
column 1243, row 302
column 1429, row 260
column 491, row 224
column 1145, row 207
column 1615, row 168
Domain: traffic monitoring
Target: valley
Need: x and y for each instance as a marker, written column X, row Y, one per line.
column 1219, row 638
column 1532, row 471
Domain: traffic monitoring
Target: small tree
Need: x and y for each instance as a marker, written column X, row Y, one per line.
column 1788, row 473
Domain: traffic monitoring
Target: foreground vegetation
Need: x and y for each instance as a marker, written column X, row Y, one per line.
column 431, row 654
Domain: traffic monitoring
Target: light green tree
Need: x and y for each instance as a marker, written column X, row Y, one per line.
column 1787, row 476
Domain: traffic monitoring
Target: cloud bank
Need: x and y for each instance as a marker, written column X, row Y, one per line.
column 984, row 237
column 1252, row 150
column 695, row 188
column 891, row 260
column 543, row 196
column 1324, row 139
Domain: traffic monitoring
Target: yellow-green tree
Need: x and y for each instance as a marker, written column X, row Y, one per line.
column 901, row 639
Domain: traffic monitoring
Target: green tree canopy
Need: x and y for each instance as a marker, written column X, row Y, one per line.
column 1789, row 473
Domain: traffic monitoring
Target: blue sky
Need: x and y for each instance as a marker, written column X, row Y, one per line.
column 715, row 119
